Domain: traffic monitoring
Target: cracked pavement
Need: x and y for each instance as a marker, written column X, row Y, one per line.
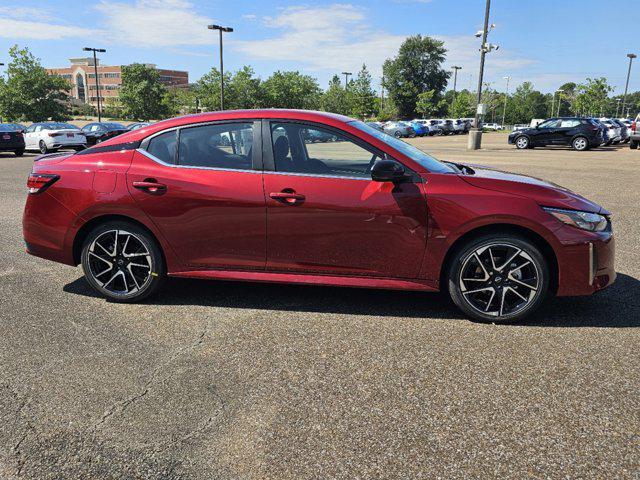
column 235, row 380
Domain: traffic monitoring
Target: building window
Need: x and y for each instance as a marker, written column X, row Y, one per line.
column 80, row 84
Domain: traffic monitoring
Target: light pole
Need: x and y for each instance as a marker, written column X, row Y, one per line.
column 1, row 76
column 455, row 79
column 506, row 95
column 559, row 92
column 95, row 72
column 227, row 30
column 475, row 135
column 618, row 100
column 626, row 87
column 346, row 78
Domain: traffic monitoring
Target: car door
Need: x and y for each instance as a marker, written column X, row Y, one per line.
column 566, row 129
column 326, row 215
column 545, row 133
column 29, row 136
column 201, row 185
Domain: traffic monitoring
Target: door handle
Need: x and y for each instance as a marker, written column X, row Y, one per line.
column 289, row 197
column 151, row 187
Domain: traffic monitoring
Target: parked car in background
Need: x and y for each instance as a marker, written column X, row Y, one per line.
column 445, row 128
column 376, row 212
column 634, row 138
column 625, row 132
column 311, row 136
column 432, row 126
column 419, row 129
column 137, row 125
column 492, row 127
column 520, row 126
column 579, row 133
column 11, row 139
column 399, row 129
column 614, row 131
column 48, row 137
column 376, row 125
column 15, row 126
column 100, row 131
column 604, row 129
column 459, row 126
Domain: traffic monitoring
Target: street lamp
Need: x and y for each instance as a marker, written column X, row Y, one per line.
column 506, row 95
column 560, row 92
column 227, row 30
column 475, row 135
column 455, row 79
column 95, row 71
column 626, row 87
column 346, row 78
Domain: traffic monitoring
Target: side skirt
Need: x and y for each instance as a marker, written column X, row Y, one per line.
column 319, row 280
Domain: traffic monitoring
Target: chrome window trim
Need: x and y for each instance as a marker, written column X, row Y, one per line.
column 316, row 175
column 190, row 167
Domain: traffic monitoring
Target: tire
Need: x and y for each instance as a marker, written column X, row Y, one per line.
column 522, row 142
column 19, row 153
column 79, row 149
column 633, row 145
column 397, row 134
column 130, row 273
column 43, row 147
column 580, row 144
column 501, row 295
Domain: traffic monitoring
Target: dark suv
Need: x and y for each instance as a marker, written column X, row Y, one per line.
column 11, row 138
column 580, row 133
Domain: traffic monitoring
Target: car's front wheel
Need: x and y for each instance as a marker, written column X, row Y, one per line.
column 522, row 142
column 122, row 261
column 498, row 278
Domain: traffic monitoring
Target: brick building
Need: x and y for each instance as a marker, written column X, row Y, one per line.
column 82, row 78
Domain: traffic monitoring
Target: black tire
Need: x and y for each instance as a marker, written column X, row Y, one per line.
column 633, row 145
column 522, row 142
column 501, row 285
column 43, row 147
column 397, row 134
column 79, row 149
column 580, row 144
column 136, row 284
column 19, row 153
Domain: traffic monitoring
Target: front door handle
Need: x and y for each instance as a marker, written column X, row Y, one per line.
column 287, row 196
column 150, row 186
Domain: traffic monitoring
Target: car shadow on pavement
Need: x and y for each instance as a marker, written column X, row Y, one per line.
column 609, row 308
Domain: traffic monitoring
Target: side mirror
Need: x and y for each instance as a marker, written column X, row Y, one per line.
column 387, row 171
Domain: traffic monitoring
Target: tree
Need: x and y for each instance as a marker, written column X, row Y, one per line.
column 334, row 99
column 142, row 93
column 462, row 105
column 527, row 104
column 416, row 69
column 592, row 97
column 361, row 94
column 291, row 90
column 30, row 94
column 425, row 106
column 179, row 101
column 208, row 89
column 565, row 98
column 244, row 90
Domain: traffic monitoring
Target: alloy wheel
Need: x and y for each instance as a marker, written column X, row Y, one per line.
column 580, row 143
column 522, row 142
column 499, row 280
column 119, row 262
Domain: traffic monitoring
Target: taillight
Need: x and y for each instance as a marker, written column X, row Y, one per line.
column 39, row 182
column 633, row 127
column 56, row 134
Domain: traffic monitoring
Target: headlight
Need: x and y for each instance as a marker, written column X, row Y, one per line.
column 592, row 222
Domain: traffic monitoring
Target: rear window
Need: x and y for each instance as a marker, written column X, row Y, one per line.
column 59, row 126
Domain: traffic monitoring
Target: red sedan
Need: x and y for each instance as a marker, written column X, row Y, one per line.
column 254, row 195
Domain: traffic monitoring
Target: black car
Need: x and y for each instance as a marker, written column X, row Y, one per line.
column 11, row 138
column 580, row 133
column 100, row 131
column 137, row 125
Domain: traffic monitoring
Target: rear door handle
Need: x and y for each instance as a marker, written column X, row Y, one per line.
column 287, row 197
column 151, row 187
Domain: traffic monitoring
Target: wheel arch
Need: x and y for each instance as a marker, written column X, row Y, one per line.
column 503, row 228
column 82, row 233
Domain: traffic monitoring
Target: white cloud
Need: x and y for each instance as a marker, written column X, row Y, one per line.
column 24, row 29
column 155, row 23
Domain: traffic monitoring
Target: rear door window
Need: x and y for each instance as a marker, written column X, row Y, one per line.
column 226, row 146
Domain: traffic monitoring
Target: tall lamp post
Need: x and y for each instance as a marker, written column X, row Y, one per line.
column 227, row 30
column 95, row 72
column 626, row 87
column 475, row 135
column 506, row 95
column 1, row 76
column 559, row 92
column 346, row 78
column 455, row 79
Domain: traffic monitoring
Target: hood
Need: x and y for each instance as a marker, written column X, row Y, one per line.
column 545, row 193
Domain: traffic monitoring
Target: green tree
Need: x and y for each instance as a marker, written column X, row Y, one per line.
column 335, row 98
column 208, row 89
column 416, row 69
column 425, row 105
column 527, row 104
column 463, row 105
column 565, row 98
column 291, row 90
column 30, row 94
column 244, row 90
column 142, row 94
column 362, row 96
column 179, row 101
column 592, row 97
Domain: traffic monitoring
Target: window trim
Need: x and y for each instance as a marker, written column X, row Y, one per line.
column 256, row 157
column 269, row 162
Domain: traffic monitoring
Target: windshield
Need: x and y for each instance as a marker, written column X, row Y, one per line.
column 114, row 126
column 59, row 126
column 407, row 149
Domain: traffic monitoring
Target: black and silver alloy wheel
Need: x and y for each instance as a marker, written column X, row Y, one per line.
column 122, row 262
column 501, row 279
column 580, row 144
column 522, row 142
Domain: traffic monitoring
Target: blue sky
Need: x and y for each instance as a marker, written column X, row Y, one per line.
column 547, row 42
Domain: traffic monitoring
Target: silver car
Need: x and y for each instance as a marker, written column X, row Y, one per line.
column 399, row 129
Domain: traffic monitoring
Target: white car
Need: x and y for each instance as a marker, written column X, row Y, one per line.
column 615, row 132
column 458, row 126
column 48, row 137
column 492, row 126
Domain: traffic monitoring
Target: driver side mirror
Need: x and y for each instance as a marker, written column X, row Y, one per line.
column 387, row 171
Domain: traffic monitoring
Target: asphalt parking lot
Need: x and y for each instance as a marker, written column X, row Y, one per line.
column 234, row 380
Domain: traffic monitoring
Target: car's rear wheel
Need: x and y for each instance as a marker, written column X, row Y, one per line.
column 122, row 261
column 498, row 278
column 19, row 153
column 580, row 143
column 397, row 134
column 522, row 142
column 43, row 147
column 633, row 145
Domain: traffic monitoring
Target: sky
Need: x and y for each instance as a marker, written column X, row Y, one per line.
column 547, row 42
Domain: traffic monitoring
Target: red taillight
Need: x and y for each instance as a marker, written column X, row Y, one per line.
column 56, row 134
column 39, row 182
column 633, row 127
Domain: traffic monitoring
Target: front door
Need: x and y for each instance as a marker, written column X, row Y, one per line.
column 326, row 215
column 546, row 133
column 206, row 196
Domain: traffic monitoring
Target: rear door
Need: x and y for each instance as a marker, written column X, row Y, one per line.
column 326, row 215
column 565, row 131
column 202, row 187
